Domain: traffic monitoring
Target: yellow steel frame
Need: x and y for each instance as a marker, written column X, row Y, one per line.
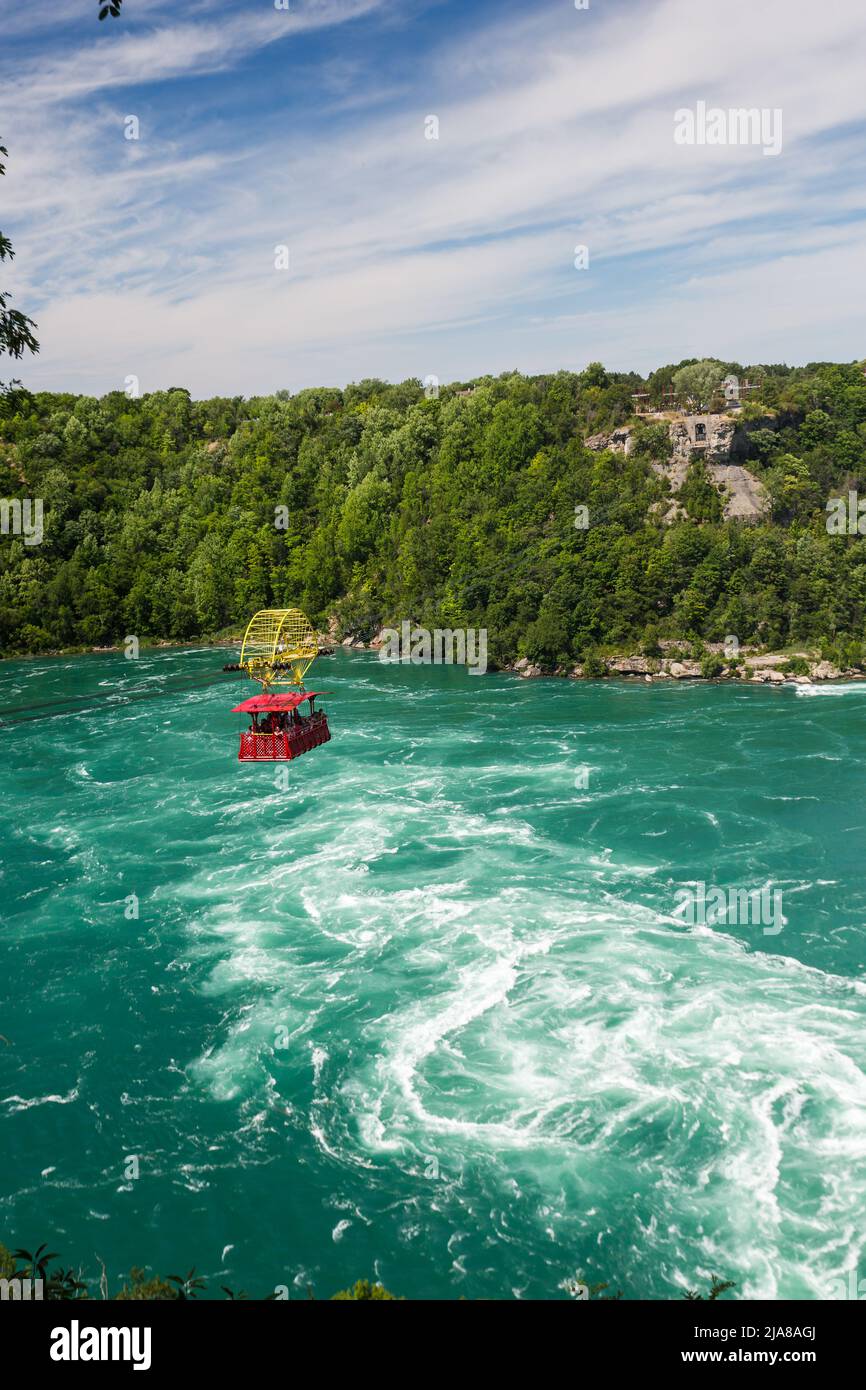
column 279, row 637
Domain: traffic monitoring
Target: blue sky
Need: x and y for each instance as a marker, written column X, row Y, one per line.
column 453, row 257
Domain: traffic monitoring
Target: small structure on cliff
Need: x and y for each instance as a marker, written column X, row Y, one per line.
column 709, row 435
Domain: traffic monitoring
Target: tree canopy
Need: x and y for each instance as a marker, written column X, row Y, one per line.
column 170, row 517
column 699, row 381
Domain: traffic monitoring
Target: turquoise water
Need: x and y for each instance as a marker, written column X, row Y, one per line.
column 423, row 1011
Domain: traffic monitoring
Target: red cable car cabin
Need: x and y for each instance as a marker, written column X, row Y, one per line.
column 279, row 732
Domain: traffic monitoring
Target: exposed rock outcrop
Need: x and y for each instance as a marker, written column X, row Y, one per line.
column 747, row 498
column 620, row 441
column 525, row 668
column 628, row 665
column 826, row 671
column 683, row 670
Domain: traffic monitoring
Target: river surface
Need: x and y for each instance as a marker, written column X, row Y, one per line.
column 422, row 1006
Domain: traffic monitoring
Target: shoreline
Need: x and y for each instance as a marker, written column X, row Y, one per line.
column 756, row 667
column 670, row 661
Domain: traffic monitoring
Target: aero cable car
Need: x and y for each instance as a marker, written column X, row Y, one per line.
column 279, row 647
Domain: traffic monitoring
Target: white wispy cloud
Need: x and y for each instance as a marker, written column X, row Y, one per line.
column 174, row 48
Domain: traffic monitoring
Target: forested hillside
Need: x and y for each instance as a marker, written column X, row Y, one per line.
column 168, row 517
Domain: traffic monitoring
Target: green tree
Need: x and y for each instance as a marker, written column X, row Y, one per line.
column 699, row 494
column 699, row 381
column 16, row 329
column 363, row 1291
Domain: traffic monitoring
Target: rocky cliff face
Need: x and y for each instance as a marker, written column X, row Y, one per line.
column 747, row 498
column 722, row 441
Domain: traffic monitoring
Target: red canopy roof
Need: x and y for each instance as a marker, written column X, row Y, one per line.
column 270, row 704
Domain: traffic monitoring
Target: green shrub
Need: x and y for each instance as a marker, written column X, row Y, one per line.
column 593, row 665
column 796, row 666
column 711, row 666
column 142, row 1289
column 652, row 442
column 363, row 1291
